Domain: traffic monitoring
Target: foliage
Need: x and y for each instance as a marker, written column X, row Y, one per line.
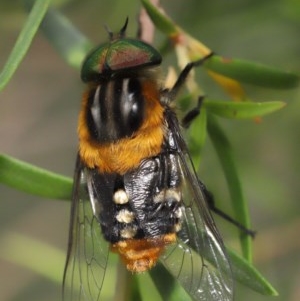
column 230, row 74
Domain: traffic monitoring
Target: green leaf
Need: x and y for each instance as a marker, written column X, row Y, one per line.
column 242, row 110
column 70, row 43
column 167, row 285
column 24, row 40
column 252, row 73
column 226, row 157
column 126, row 283
column 147, row 287
column 242, row 272
column 161, row 21
column 196, row 137
column 249, row 276
column 31, row 179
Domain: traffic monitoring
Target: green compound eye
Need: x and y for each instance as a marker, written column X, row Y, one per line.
column 118, row 55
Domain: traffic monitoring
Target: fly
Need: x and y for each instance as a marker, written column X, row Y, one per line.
column 135, row 191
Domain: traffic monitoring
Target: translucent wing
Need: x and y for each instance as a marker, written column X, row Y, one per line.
column 198, row 259
column 87, row 251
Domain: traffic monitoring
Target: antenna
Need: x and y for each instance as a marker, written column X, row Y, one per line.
column 123, row 29
column 110, row 33
column 121, row 34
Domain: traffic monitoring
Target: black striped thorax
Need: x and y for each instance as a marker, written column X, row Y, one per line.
column 115, row 109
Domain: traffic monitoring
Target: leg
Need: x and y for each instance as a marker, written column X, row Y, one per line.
column 211, row 204
column 192, row 114
column 184, row 74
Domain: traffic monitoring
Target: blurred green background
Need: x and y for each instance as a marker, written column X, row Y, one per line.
column 38, row 117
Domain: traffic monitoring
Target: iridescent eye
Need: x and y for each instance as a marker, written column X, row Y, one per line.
column 118, row 56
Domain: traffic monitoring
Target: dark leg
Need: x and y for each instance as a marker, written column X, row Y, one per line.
column 192, row 114
column 184, row 74
column 211, row 204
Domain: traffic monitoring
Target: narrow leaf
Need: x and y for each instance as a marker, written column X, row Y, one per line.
column 242, row 110
column 34, row 180
column 252, row 73
column 249, row 276
column 196, row 137
column 143, row 288
column 241, row 270
column 24, row 40
column 161, row 21
column 230, row 86
column 167, row 285
column 70, row 43
column 226, row 157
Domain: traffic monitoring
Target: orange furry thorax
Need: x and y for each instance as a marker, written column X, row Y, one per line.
column 126, row 153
